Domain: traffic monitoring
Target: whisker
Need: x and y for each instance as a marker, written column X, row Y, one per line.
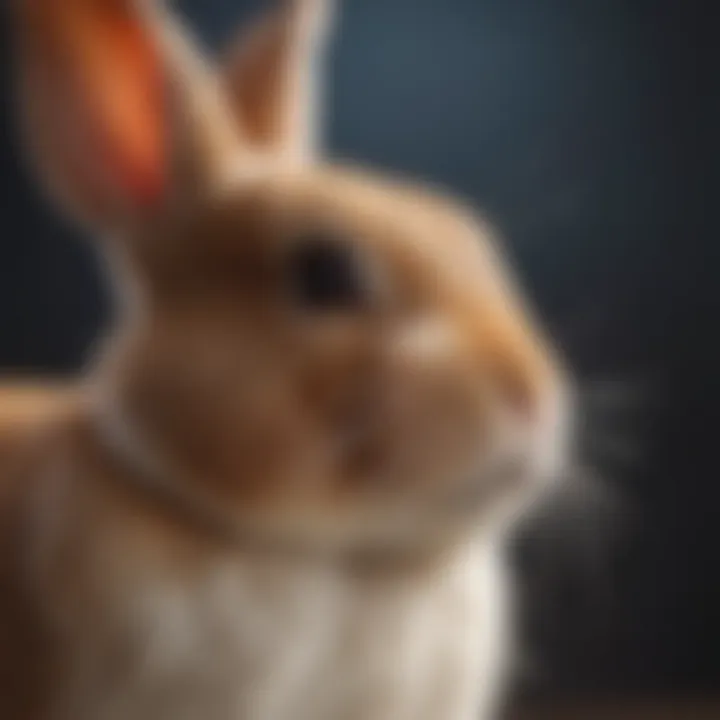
column 605, row 447
column 614, row 394
column 569, row 552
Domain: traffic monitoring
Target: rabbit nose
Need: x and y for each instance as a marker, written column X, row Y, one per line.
column 536, row 405
column 520, row 391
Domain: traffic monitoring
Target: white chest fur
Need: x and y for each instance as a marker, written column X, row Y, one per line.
column 302, row 643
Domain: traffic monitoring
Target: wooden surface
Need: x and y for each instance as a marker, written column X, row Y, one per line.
column 620, row 711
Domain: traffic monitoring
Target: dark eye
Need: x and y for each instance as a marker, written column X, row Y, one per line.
column 325, row 273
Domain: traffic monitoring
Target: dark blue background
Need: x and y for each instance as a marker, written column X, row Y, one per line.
column 579, row 128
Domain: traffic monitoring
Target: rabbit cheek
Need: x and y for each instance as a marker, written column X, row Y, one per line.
column 438, row 412
column 342, row 394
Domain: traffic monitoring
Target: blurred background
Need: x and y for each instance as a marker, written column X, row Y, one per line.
column 579, row 127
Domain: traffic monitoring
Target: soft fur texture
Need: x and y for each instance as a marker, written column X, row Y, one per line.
column 250, row 509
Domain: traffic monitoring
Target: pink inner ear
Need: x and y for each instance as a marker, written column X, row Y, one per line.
column 119, row 77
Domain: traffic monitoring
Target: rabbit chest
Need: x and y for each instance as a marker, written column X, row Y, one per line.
column 297, row 643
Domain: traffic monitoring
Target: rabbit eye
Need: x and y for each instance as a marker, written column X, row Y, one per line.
column 325, row 274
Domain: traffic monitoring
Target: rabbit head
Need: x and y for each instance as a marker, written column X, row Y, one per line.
column 313, row 350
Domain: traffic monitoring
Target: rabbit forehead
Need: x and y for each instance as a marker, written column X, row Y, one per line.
column 416, row 223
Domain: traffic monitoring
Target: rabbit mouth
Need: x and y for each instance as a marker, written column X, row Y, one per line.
column 522, row 467
column 506, row 477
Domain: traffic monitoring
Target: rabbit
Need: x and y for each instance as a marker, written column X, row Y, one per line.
column 280, row 489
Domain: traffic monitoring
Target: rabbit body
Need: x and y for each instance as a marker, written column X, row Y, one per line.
column 312, row 646
column 280, row 490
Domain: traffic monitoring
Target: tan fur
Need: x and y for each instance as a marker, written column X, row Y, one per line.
column 248, row 510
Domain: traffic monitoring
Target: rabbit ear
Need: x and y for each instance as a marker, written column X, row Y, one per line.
column 119, row 111
column 272, row 74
